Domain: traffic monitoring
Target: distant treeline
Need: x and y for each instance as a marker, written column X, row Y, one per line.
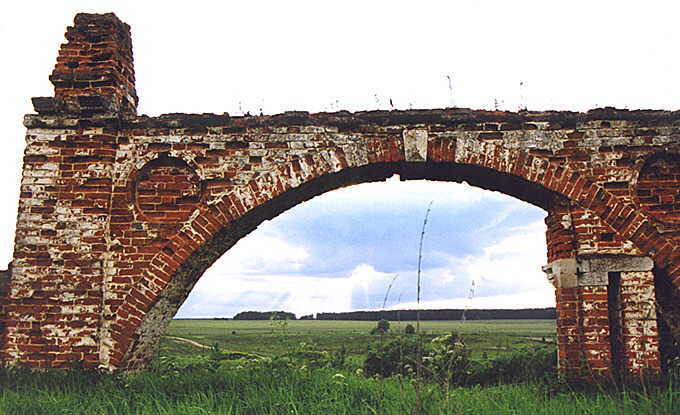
column 446, row 314
column 405, row 315
column 265, row 315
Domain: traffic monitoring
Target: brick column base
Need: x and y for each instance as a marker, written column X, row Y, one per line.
column 606, row 318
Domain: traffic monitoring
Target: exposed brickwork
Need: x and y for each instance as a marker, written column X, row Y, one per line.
column 94, row 72
column 639, row 331
column 120, row 214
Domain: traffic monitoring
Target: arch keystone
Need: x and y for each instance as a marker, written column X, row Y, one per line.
column 415, row 144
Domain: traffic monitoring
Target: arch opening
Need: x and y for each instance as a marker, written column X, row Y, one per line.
column 188, row 274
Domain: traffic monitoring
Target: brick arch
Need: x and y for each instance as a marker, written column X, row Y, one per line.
column 220, row 225
column 94, row 281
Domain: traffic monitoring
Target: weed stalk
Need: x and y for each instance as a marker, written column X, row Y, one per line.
column 419, row 365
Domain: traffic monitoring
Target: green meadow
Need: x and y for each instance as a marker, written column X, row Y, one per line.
column 271, row 338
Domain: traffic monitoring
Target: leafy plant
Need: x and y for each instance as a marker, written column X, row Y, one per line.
column 382, row 327
column 449, row 359
column 337, row 359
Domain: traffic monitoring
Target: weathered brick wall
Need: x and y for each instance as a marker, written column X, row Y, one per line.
column 583, row 332
column 61, row 242
column 120, row 214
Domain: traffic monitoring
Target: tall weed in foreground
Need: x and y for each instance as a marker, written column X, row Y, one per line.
column 419, row 364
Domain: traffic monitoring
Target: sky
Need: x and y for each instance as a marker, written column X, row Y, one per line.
column 342, row 250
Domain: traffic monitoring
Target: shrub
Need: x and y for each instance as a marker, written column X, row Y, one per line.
column 409, row 329
column 444, row 359
column 382, row 327
column 395, row 356
column 526, row 364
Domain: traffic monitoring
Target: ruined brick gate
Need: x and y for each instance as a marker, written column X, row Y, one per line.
column 120, row 214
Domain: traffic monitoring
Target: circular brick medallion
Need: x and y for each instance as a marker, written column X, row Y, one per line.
column 167, row 190
column 658, row 187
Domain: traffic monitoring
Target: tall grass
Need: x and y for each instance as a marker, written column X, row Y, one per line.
column 290, row 390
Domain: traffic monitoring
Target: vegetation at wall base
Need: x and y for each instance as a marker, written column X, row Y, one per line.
column 286, row 389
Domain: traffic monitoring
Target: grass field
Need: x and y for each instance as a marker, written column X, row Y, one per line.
column 264, row 337
column 187, row 380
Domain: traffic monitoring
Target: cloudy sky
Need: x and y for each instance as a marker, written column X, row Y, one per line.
column 340, row 251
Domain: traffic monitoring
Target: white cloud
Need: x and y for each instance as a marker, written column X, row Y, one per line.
column 216, row 291
column 514, row 262
column 367, row 283
column 506, row 275
column 225, row 295
column 364, row 275
column 260, row 252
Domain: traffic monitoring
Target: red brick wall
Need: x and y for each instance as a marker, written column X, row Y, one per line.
column 583, row 332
